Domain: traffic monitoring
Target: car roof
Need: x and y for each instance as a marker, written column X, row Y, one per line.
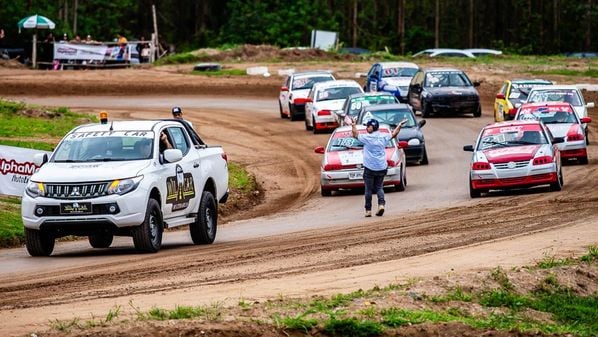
column 377, row 107
column 137, row 125
column 555, row 86
column 512, row 123
column 370, row 94
column 399, row 65
column 484, row 51
column 457, row 51
column 434, row 69
column 312, row 73
column 336, row 83
column 531, row 81
column 546, row 104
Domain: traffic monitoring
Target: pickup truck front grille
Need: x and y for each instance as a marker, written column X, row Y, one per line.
column 76, row 191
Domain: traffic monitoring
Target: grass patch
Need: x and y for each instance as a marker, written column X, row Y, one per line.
column 551, row 261
column 499, row 275
column 211, row 313
column 456, row 295
column 352, row 327
column 591, row 255
column 11, row 225
column 567, row 72
column 222, row 72
column 298, row 322
column 240, row 179
column 28, row 144
column 502, row 298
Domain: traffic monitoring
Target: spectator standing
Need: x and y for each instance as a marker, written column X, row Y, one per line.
column 2, row 36
column 122, row 43
column 143, row 50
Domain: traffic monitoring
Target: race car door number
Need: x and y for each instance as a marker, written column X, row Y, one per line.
column 75, row 208
column 356, row 175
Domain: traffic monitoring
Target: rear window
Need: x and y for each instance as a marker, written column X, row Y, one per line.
column 360, row 102
column 337, row 93
column 391, row 117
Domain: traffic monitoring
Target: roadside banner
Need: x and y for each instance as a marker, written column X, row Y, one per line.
column 16, row 168
column 74, row 51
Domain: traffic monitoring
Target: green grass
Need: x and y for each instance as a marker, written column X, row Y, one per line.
column 502, row 298
column 298, row 322
column 566, row 72
column 222, row 72
column 28, row 144
column 11, row 225
column 212, row 312
column 551, row 261
column 352, row 327
column 240, row 179
column 591, row 255
column 456, row 295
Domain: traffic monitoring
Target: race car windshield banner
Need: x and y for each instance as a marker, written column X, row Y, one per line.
column 16, row 168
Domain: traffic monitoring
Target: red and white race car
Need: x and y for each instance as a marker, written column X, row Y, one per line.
column 516, row 154
column 562, row 121
column 294, row 90
column 342, row 165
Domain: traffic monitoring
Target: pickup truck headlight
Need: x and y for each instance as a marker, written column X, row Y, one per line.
column 35, row 189
column 123, row 186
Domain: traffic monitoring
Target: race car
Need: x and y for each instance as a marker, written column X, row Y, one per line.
column 511, row 95
column 354, row 103
column 294, row 90
column 324, row 101
column 392, row 77
column 563, row 93
column 444, row 90
column 562, row 121
column 411, row 132
column 516, row 154
column 342, row 164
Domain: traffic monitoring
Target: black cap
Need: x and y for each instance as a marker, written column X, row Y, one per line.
column 176, row 110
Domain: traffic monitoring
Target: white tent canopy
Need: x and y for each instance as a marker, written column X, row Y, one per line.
column 35, row 22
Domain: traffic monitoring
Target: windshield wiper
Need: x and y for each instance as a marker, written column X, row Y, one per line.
column 494, row 143
column 66, row 161
column 107, row 159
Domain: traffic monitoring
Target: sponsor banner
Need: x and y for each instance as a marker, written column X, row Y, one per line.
column 16, row 168
column 86, row 52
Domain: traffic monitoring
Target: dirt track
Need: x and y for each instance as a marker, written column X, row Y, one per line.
column 301, row 244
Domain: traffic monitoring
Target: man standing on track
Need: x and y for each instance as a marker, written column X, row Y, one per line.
column 374, row 162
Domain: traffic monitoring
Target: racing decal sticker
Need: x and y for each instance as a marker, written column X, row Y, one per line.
column 179, row 189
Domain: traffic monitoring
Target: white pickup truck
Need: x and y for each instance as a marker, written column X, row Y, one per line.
column 123, row 178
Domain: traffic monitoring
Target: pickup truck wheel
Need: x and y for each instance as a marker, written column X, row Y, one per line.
column 38, row 243
column 203, row 230
column 101, row 240
column 148, row 237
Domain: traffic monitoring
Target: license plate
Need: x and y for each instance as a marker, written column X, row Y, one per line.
column 75, row 208
column 355, row 175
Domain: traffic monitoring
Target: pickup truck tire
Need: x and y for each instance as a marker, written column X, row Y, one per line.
column 39, row 243
column 148, row 236
column 203, row 229
column 101, row 240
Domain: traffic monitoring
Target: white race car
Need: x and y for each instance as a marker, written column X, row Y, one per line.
column 562, row 121
column 516, row 154
column 342, row 165
column 294, row 90
column 324, row 101
column 562, row 93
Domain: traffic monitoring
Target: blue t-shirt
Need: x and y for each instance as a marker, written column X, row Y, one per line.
column 374, row 154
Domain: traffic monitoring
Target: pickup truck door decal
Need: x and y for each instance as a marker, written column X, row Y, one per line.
column 179, row 189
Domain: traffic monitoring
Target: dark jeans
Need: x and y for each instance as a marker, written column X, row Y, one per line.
column 374, row 182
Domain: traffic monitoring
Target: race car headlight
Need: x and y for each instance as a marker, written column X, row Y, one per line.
column 35, row 189
column 413, row 141
column 123, row 186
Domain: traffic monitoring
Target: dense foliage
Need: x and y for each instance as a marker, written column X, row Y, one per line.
column 522, row 26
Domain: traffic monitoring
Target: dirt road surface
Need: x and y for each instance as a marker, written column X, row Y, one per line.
column 296, row 243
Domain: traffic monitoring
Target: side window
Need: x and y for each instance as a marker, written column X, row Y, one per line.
column 503, row 89
column 179, row 139
column 287, row 83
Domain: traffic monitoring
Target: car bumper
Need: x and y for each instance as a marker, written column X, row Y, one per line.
column 459, row 106
column 529, row 176
column 325, row 123
column 332, row 180
column 573, row 150
column 129, row 211
column 414, row 153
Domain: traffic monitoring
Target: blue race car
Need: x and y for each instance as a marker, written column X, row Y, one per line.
column 391, row 77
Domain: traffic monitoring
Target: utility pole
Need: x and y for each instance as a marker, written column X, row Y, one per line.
column 354, row 22
column 155, row 39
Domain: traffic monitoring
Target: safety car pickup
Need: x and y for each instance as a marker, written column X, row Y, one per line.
column 125, row 178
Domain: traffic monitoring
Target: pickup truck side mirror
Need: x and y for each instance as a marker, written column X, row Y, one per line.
column 173, row 155
column 40, row 159
column 468, row 148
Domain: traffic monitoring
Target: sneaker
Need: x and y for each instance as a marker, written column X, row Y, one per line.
column 380, row 210
column 368, row 214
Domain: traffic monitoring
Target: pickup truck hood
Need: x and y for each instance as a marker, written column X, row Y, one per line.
column 89, row 171
column 513, row 153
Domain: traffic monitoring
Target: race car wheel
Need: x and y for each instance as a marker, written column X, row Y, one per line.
column 39, row 243
column 282, row 115
column 292, row 113
column 424, row 160
column 478, row 112
column 473, row 193
column 401, row 187
column 583, row 160
column 203, row 229
column 101, row 240
column 426, row 110
column 148, row 236
column 313, row 123
column 307, row 127
column 325, row 193
column 558, row 184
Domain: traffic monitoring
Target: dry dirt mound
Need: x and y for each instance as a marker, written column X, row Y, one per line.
column 11, row 64
column 268, row 53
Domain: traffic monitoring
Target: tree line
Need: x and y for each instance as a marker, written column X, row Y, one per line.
column 400, row 26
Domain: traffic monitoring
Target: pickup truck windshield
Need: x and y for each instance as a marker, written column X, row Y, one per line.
column 105, row 146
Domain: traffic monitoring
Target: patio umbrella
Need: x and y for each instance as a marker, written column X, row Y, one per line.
column 35, row 22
